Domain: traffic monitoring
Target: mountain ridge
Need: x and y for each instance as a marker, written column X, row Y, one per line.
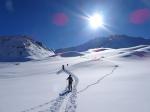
column 14, row 48
column 112, row 41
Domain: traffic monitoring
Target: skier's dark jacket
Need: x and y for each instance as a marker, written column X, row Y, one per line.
column 70, row 79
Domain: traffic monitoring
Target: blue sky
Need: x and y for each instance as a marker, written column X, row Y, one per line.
column 41, row 19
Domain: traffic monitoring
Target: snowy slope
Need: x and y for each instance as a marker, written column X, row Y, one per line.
column 22, row 48
column 104, row 80
column 132, row 52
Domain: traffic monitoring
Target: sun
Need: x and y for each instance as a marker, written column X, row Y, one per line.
column 96, row 21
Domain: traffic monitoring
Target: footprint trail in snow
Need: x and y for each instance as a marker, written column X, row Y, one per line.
column 70, row 97
column 71, row 104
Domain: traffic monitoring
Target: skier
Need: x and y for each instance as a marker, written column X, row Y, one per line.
column 70, row 80
column 63, row 67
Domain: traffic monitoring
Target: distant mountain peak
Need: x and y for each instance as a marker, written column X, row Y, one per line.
column 22, row 48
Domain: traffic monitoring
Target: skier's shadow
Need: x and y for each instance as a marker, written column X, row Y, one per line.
column 59, row 71
column 65, row 92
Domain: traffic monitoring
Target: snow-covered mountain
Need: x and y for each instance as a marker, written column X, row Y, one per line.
column 113, row 41
column 21, row 48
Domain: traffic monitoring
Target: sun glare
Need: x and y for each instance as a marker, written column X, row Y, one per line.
column 96, row 20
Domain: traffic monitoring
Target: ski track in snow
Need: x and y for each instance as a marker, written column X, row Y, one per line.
column 56, row 104
column 71, row 104
column 99, row 80
column 36, row 107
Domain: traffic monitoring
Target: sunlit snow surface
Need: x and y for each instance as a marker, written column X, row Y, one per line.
column 104, row 80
